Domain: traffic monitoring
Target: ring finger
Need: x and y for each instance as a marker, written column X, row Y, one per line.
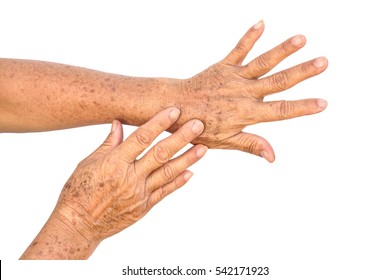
column 288, row 78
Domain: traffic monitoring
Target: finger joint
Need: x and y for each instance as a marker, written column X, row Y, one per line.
column 143, row 136
column 263, row 62
column 280, row 81
column 169, row 172
column 161, row 155
column 183, row 138
column 285, row 109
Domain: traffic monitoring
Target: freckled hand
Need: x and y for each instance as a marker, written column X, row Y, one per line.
column 228, row 96
column 114, row 187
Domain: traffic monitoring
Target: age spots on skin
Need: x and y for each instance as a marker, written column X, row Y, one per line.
column 72, row 251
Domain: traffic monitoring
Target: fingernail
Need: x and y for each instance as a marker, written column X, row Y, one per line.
column 188, row 175
column 322, row 103
column 259, row 25
column 200, row 152
column 320, row 62
column 298, row 40
column 267, row 156
column 174, row 114
column 114, row 125
column 197, row 126
column 264, row 155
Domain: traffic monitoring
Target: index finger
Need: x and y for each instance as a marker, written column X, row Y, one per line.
column 238, row 54
column 144, row 136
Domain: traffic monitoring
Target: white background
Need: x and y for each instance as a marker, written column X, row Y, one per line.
column 321, row 211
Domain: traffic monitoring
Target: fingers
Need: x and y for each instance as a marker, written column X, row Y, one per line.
column 238, row 54
column 163, row 151
column 143, row 137
column 282, row 110
column 267, row 61
column 160, row 193
column 252, row 144
column 169, row 171
column 288, row 78
column 113, row 139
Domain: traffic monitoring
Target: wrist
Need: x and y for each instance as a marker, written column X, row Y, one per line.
column 142, row 98
column 77, row 239
column 62, row 238
column 76, row 224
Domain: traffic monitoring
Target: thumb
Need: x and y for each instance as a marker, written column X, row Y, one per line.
column 113, row 139
column 252, row 144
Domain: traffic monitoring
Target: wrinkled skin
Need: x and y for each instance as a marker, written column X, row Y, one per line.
column 226, row 97
column 136, row 185
column 229, row 96
column 114, row 187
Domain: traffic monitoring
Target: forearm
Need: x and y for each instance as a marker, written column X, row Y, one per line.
column 60, row 240
column 40, row 96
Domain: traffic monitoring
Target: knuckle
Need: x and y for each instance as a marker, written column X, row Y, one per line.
column 253, row 148
column 249, row 145
column 280, row 80
column 285, row 109
column 308, row 104
column 284, row 48
column 305, row 107
column 169, row 172
column 164, row 193
column 263, row 62
column 188, row 161
column 305, row 69
column 159, row 195
column 143, row 136
column 182, row 137
column 161, row 155
column 177, row 185
column 242, row 45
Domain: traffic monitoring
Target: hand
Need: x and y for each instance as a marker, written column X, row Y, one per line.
column 112, row 189
column 228, row 96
